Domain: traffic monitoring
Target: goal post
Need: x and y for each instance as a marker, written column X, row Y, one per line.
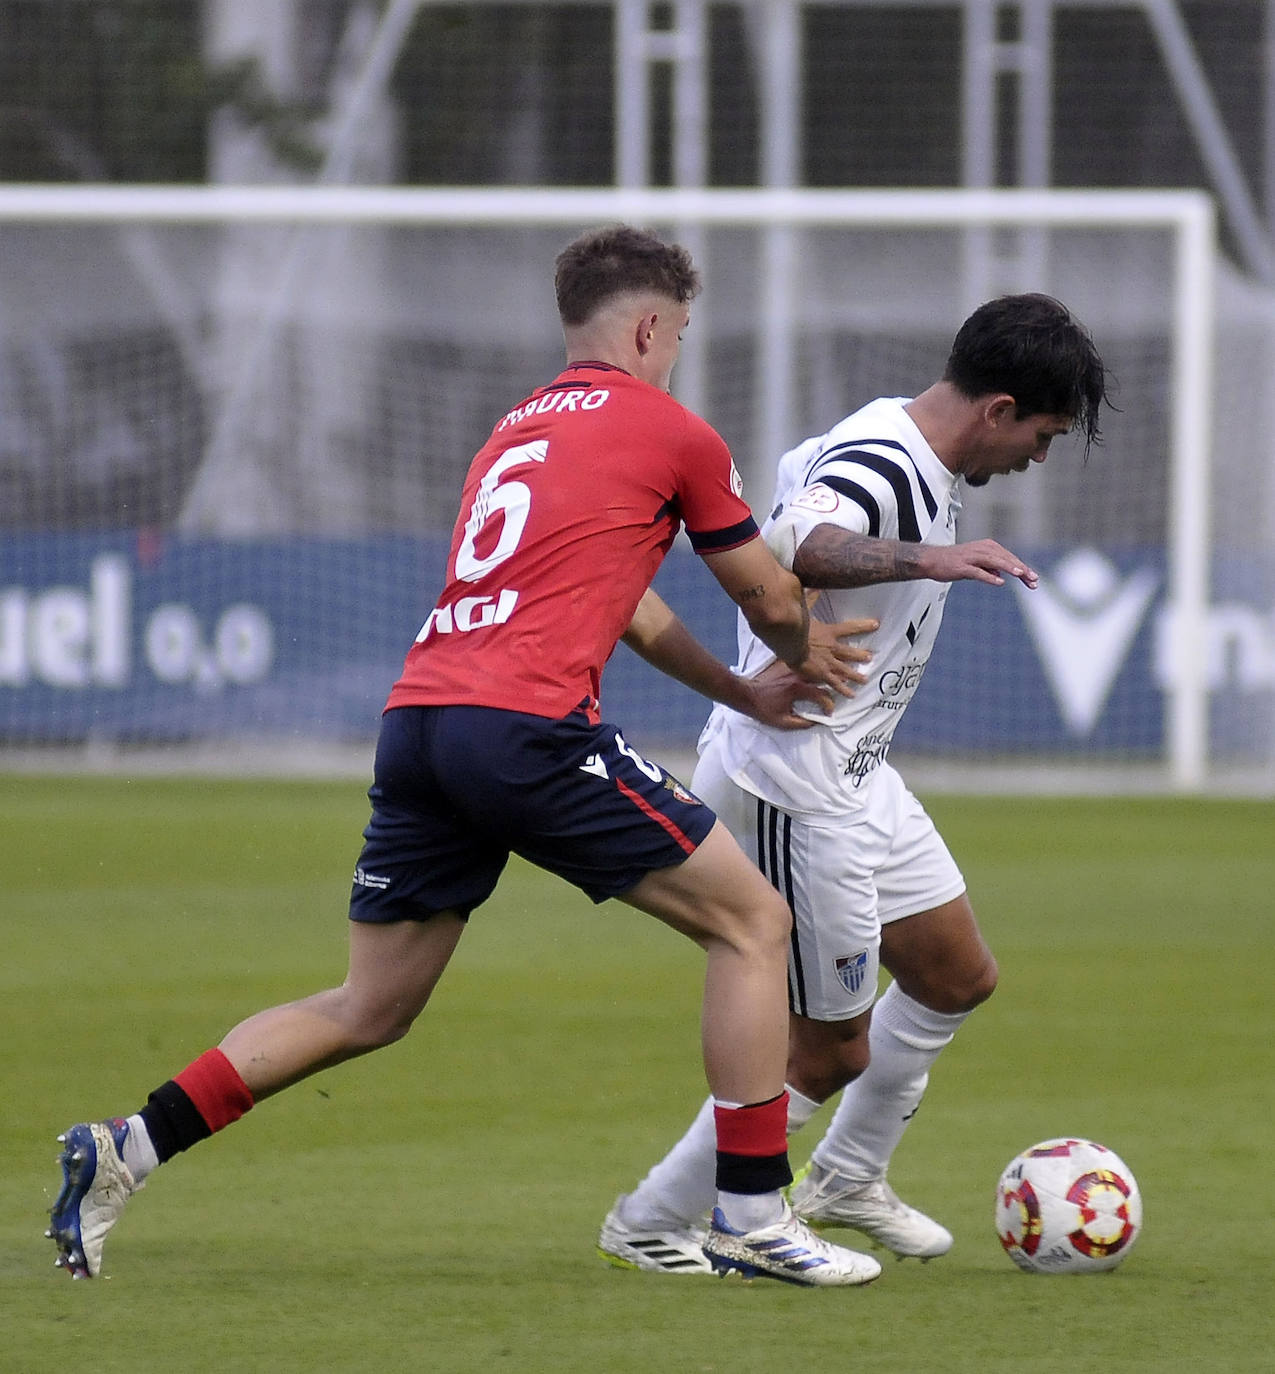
column 304, row 371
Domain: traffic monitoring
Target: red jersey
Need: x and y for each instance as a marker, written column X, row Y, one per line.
column 566, row 514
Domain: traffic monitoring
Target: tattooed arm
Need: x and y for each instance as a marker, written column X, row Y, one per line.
column 830, row 556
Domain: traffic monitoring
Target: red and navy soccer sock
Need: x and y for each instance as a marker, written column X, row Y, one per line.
column 752, row 1161
column 206, row 1096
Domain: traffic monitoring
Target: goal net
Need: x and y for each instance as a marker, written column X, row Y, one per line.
column 234, row 422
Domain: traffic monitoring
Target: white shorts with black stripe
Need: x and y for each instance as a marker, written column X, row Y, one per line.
column 843, row 878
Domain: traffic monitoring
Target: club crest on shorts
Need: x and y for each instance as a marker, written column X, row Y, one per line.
column 680, row 792
column 852, row 969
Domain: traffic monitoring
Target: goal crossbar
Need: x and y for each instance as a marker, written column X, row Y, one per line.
column 1189, row 211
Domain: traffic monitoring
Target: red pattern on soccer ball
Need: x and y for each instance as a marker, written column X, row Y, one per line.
column 1081, row 1193
column 1024, row 1196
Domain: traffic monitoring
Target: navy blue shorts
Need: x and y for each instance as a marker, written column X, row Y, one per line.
column 457, row 789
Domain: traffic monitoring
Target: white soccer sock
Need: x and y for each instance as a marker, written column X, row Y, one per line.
column 139, row 1154
column 682, row 1187
column 905, row 1040
column 750, row 1211
column 800, row 1109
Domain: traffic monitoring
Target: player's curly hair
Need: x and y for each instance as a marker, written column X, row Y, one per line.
column 1032, row 347
column 608, row 262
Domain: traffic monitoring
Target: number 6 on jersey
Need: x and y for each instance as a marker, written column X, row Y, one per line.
column 512, row 499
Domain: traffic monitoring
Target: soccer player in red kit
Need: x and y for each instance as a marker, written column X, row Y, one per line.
column 492, row 743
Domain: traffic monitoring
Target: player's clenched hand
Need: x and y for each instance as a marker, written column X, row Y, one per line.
column 983, row 560
column 830, row 660
column 772, row 696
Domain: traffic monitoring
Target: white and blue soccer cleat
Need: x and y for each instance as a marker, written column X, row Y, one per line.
column 667, row 1250
column 787, row 1250
column 96, row 1183
column 822, row 1199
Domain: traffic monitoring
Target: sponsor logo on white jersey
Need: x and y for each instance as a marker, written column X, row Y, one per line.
column 869, row 753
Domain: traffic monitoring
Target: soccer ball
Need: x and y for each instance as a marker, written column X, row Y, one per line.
column 1067, row 1206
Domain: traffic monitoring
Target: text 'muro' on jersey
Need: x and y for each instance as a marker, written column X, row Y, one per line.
column 555, row 402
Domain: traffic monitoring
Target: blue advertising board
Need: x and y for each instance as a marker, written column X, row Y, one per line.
column 148, row 638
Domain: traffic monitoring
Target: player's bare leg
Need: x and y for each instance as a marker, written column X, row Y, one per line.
column 393, row 970
column 942, row 969
column 823, row 1056
column 939, row 957
column 724, row 904
column 722, row 901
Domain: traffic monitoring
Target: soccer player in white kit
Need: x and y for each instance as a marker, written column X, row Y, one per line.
column 866, row 517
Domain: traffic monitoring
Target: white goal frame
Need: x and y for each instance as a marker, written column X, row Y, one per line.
column 1189, row 216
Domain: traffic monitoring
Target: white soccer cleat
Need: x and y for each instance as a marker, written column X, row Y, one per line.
column 672, row 1251
column 787, row 1250
column 823, row 1198
column 96, row 1183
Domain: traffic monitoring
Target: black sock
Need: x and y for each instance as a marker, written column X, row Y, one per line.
column 172, row 1122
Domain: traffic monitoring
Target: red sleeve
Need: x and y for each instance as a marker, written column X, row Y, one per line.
column 713, row 507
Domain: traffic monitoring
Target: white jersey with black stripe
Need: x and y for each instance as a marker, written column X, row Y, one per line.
column 875, row 474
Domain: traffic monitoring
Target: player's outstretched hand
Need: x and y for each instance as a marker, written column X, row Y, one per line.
column 982, row 560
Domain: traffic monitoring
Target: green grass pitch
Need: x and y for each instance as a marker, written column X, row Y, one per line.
column 434, row 1207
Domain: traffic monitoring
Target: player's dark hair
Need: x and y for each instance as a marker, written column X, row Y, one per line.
column 609, row 262
column 1032, row 348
